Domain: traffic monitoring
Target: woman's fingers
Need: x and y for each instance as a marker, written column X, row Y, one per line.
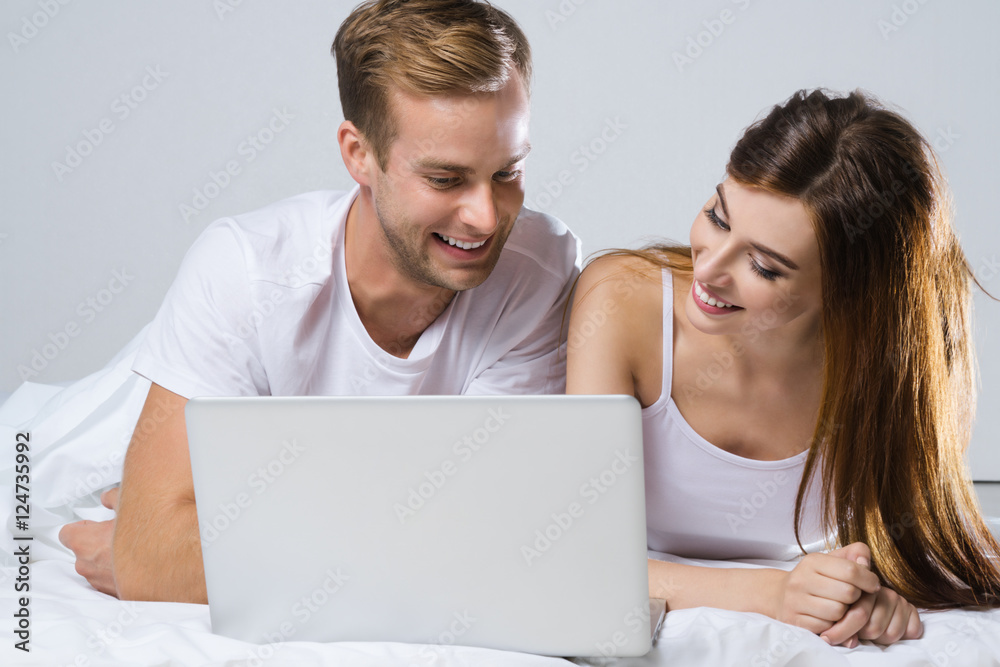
column 835, row 589
column 904, row 624
column 881, row 618
column 891, row 618
column 914, row 626
column 810, row 623
column 851, row 623
column 824, row 609
column 836, row 596
column 896, row 628
column 850, row 572
column 856, row 552
column 822, row 587
column 838, row 571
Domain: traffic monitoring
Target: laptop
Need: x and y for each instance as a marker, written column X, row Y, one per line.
column 513, row 522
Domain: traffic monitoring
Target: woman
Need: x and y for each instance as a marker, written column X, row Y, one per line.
column 805, row 369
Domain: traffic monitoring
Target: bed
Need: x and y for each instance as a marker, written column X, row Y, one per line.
column 79, row 433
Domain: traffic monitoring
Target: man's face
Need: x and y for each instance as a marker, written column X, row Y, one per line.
column 453, row 184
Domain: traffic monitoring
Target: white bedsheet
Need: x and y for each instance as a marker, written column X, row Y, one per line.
column 78, row 438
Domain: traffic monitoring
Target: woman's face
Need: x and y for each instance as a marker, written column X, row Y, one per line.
column 756, row 264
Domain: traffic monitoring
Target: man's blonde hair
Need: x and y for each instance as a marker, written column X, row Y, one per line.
column 422, row 47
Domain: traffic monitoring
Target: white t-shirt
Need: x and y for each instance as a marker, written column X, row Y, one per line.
column 705, row 502
column 261, row 306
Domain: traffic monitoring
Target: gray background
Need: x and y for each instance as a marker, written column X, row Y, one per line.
column 224, row 67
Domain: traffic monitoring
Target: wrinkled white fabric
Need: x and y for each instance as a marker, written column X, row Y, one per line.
column 76, row 430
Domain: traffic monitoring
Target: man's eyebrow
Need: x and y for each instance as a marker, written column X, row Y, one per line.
column 775, row 255
column 523, row 153
column 433, row 164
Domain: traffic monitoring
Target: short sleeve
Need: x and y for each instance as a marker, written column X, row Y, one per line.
column 203, row 341
column 532, row 326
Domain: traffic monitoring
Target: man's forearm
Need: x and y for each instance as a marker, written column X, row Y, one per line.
column 157, row 554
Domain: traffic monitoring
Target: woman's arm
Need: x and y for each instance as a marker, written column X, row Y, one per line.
column 605, row 324
column 614, row 325
column 815, row 595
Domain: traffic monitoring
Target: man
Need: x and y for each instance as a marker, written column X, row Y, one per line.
column 427, row 278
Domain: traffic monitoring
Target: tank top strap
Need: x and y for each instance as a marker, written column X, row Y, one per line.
column 668, row 335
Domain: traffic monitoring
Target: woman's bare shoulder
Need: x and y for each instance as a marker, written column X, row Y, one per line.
column 615, row 326
column 618, row 274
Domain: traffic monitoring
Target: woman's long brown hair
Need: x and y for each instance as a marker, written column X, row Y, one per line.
column 899, row 379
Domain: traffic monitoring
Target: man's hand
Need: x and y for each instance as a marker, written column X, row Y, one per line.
column 91, row 542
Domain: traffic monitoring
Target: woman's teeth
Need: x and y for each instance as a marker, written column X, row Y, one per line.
column 712, row 301
column 461, row 244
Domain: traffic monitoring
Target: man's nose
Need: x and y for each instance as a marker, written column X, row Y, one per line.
column 479, row 210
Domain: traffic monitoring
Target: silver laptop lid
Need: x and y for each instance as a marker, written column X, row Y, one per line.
column 514, row 523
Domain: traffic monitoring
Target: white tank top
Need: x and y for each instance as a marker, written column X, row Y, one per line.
column 705, row 502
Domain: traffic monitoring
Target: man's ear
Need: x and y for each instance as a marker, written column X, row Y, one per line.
column 356, row 153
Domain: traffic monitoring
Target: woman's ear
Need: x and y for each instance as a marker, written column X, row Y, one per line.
column 356, row 153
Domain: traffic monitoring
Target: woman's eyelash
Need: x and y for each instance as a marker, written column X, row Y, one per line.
column 754, row 266
column 715, row 219
column 762, row 272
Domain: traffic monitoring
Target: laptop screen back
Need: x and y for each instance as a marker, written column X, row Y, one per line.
column 512, row 522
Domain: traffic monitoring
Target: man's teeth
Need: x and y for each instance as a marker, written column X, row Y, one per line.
column 461, row 244
column 703, row 295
